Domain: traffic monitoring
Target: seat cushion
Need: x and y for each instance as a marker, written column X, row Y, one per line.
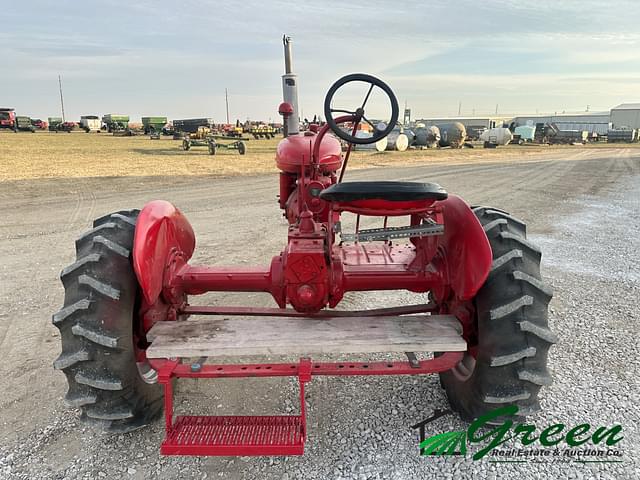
column 383, row 190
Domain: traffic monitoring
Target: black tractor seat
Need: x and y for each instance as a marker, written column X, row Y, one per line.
column 383, row 190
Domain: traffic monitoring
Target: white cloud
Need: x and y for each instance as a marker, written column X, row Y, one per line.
column 176, row 59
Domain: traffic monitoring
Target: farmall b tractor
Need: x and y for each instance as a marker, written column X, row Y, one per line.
column 128, row 329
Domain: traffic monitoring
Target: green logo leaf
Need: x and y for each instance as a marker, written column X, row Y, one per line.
column 448, row 443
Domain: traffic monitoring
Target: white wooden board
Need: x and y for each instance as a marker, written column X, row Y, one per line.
column 217, row 337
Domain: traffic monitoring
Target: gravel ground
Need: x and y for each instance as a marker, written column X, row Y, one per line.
column 583, row 208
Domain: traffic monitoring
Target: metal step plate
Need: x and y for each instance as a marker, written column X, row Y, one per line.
column 235, row 435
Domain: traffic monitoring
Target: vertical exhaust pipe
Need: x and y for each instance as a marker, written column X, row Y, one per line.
column 290, row 89
column 287, row 54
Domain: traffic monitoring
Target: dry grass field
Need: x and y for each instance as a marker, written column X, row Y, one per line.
column 57, row 155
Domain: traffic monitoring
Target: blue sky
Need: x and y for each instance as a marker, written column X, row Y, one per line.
column 176, row 58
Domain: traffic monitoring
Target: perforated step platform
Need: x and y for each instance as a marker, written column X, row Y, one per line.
column 235, row 435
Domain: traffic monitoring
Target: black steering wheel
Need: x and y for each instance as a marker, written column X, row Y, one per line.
column 379, row 131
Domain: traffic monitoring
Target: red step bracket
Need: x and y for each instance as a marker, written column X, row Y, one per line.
column 262, row 435
column 237, row 435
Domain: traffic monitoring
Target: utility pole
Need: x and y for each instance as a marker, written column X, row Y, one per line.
column 459, row 107
column 226, row 100
column 496, row 108
column 61, row 98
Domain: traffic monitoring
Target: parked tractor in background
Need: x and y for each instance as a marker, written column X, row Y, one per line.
column 39, row 124
column 478, row 318
column 8, row 119
column 23, row 124
column 229, row 130
column 57, row 125
column 91, row 123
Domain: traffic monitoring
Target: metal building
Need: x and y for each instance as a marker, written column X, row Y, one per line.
column 626, row 115
column 592, row 122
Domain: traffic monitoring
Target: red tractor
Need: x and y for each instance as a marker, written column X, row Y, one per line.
column 482, row 308
column 8, row 119
column 39, row 124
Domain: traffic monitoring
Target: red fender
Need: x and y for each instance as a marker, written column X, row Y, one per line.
column 467, row 252
column 161, row 229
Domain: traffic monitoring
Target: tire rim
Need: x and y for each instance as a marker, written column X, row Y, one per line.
column 465, row 368
column 148, row 374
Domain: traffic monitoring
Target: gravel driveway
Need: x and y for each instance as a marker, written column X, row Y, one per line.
column 583, row 208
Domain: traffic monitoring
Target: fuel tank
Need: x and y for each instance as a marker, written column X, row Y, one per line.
column 452, row 134
column 293, row 149
column 427, row 136
column 497, row 136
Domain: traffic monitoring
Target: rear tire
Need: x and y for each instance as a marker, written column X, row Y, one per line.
column 513, row 337
column 96, row 329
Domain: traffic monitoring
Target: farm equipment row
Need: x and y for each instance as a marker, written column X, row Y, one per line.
column 119, row 125
column 18, row 123
column 213, row 143
column 191, row 126
column 203, row 136
column 480, row 309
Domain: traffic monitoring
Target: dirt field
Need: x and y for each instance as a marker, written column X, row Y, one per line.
column 64, row 155
column 581, row 204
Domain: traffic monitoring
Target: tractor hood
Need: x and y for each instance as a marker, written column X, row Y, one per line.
column 294, row 149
